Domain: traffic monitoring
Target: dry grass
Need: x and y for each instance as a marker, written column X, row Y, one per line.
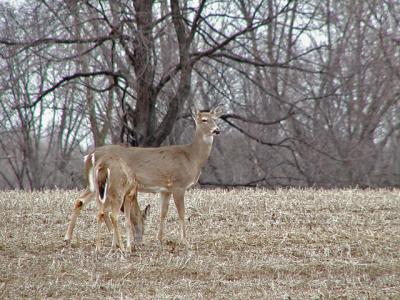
column 245, row 244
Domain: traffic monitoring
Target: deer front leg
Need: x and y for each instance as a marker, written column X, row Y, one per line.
column 84, row 198
column 165, row 197
column 128, row 223
column 179, row 197
column 137, row 221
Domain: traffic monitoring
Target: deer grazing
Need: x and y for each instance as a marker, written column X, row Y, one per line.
column 168, row 170
column 116, row 189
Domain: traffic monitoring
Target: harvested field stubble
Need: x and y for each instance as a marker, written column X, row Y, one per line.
column 244, row 244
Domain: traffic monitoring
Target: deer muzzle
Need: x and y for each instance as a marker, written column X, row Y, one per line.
column 216, row 131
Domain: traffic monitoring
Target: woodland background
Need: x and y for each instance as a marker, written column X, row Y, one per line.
column 310, row 88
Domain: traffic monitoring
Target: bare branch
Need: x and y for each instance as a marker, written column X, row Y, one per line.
column 258, row 122
column 64, row 80
column 257, row 139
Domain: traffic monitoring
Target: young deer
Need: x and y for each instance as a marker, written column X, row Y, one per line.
column 169, row 170
column 116, row 189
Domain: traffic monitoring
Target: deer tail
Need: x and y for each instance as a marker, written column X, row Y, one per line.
column 102, row 187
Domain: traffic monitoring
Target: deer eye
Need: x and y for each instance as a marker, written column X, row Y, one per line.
column 204, row 120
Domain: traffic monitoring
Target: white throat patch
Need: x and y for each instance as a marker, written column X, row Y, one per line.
column 208, row 139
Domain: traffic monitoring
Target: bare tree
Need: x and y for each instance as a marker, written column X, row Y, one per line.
column 309, row 87
column 38, row 141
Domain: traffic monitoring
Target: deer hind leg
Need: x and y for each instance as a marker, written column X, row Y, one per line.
column 110, row 228
column 179, row 197
column 165, row 197
column 117, row 233
column 100, row 218
column 108, row 222
column 84, row 198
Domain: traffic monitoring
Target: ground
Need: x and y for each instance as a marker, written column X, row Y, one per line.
column 245, row 244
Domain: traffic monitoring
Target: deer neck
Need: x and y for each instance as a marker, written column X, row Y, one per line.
column 201, row 147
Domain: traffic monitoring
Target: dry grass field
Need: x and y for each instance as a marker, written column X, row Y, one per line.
column 245, row 244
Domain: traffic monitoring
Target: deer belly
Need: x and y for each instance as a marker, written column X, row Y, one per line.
column 153, row 189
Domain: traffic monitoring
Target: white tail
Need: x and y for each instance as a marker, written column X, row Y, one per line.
column 102, row 198
column 170, row 170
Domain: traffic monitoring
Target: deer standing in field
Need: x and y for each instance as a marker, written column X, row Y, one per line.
column 116, row 190
column 169, row 170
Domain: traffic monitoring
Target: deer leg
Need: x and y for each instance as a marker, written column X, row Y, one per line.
column 111, row 230
column 117, row 233
column 84, row 198
column 106, row 219
column 165, row 197
column 108, row 222
column 128, row 222
column 136, row 221
column 179, row 197
column 100, row 217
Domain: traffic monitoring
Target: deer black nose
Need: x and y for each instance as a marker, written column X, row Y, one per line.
column 216, row 131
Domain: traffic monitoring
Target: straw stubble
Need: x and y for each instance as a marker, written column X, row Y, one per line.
column 248, row 243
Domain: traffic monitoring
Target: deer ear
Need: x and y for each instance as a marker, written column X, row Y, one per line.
column 194, row 112
column 217, row 111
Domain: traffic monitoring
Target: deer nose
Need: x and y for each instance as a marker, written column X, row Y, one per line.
column 216, row 131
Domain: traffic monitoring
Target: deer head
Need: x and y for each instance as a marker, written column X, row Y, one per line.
column 206, row 121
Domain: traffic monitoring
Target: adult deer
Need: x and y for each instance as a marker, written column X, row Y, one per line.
column 169, row 170
column 116, row 190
